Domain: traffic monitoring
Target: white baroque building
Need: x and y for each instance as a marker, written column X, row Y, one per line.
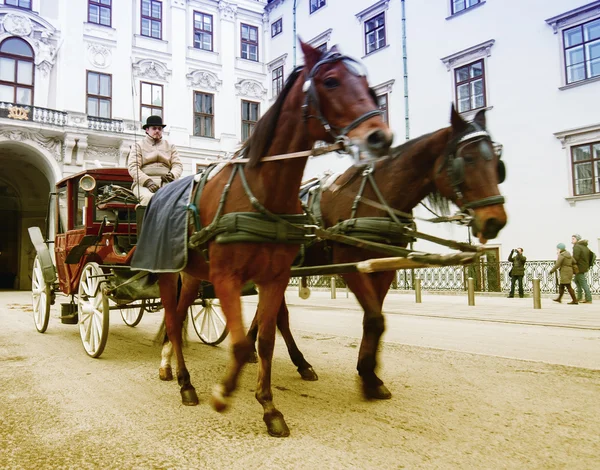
column 78, row 77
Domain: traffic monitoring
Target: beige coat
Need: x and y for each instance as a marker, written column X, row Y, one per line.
column 564, row 265
column 151, row 160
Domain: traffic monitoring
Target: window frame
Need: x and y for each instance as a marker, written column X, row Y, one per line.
column 97, row 97
column 318, row 4
column 452, row 12
column 374, row 30
column 384, row 108
column 593, row 161
column 248, row 41
column 583, row 46
column 203, row 115
column 98, row 3
column 30, row 8
column 277, row 80
column 15, row 84
column 151, row 106
column 248, row 122
column 202, row 31
column 151, row 19
column 482, row 77
column 275, row 31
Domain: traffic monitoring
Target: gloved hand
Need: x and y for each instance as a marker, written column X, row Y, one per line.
column 151, row 185
column 167, row 178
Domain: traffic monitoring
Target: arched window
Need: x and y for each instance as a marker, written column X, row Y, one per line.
column 16, row 71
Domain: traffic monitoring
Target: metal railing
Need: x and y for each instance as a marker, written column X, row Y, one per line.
column 488, row 277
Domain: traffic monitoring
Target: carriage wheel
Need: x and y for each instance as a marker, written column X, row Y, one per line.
column 209, row 321
column 41, row 297
column 93, row 310
column 133, row 314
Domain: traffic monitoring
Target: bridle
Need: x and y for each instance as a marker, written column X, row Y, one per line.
column 455, row 165
column 311, row 96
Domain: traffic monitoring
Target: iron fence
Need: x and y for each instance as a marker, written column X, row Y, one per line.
column 489, row 277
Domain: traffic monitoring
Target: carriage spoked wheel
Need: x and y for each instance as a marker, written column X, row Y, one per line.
column 41, row 297
column 92, row 306
column 209, row 321
column 132, row 314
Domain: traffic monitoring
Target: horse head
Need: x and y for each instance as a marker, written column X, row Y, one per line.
column 468, row 173
column 338, row 102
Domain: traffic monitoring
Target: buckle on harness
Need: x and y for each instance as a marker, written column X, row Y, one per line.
column 310, row 229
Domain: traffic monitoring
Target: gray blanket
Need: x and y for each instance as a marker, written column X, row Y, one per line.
column 162, row 245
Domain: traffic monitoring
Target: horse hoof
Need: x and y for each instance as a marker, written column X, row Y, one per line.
column 276, row 425
column 253, row 358
column 379, row 392
column 165, row 373
column 218, row 399
column 189, row 397
column 308, row 374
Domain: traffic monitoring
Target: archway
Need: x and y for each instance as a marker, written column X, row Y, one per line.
column 27, row 175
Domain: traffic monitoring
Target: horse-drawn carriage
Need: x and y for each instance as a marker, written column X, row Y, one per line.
column 93, row 216
column 357, row 221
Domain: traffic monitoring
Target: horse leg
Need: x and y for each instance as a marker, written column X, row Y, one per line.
column 305, row 370
column 252, row 335
column 270, row 299
column 228, row 292
column 175, row 312
column 165, row 372
column 368, row 290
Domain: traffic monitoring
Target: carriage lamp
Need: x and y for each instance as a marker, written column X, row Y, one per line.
column 87, row 183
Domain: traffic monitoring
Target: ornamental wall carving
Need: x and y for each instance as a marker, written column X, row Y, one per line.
column 204, row 79
column 95, row 152
column 152, row 69
column 52, row 144
column 227, row 10
column 98, row 55
column 250, row 88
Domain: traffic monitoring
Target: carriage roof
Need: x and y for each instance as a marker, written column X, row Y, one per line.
column 99, row 174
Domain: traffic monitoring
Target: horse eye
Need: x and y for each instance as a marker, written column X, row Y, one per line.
column 331, row 83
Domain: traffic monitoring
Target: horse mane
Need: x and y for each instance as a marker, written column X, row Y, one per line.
column 259, row 142
column 438, row 202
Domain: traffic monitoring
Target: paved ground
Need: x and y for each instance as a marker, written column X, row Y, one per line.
column 486, row 308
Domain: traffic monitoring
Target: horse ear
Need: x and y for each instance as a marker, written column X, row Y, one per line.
column 335, row 48
column 311, row 55
column 458, row 123
column 480, row 119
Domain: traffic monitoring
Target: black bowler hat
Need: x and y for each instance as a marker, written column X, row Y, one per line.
column 154, row 121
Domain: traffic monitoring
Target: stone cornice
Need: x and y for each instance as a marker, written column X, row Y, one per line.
column 373, row 10
column 469, row 54
column 572, row 17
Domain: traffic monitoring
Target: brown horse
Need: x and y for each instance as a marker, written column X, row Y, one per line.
column 326, row 99
column 457, row 163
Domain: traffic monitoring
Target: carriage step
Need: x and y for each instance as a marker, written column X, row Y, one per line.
column 68, row 314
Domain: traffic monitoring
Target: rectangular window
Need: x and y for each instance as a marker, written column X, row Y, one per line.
column 277, row 80
column 460, row 5
column 203, row 31
column 277, row 27
column 586, row 168
column 99, row 95
column 25, row 4
column 470, row 87
column 316, row 4
column 152, row 19
column 204, row 114
column 582, row 51
column 382, row 103
column 249, row 42
column 151, row 101
column 249, row 118
column 375, row 33
column 99, row 12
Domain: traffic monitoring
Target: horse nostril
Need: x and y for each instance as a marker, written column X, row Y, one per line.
column 378, row 140
column 492, row 227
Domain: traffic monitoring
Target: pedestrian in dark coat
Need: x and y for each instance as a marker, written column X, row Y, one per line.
column 564, row 265
column 581, row 255
column 517, row 271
